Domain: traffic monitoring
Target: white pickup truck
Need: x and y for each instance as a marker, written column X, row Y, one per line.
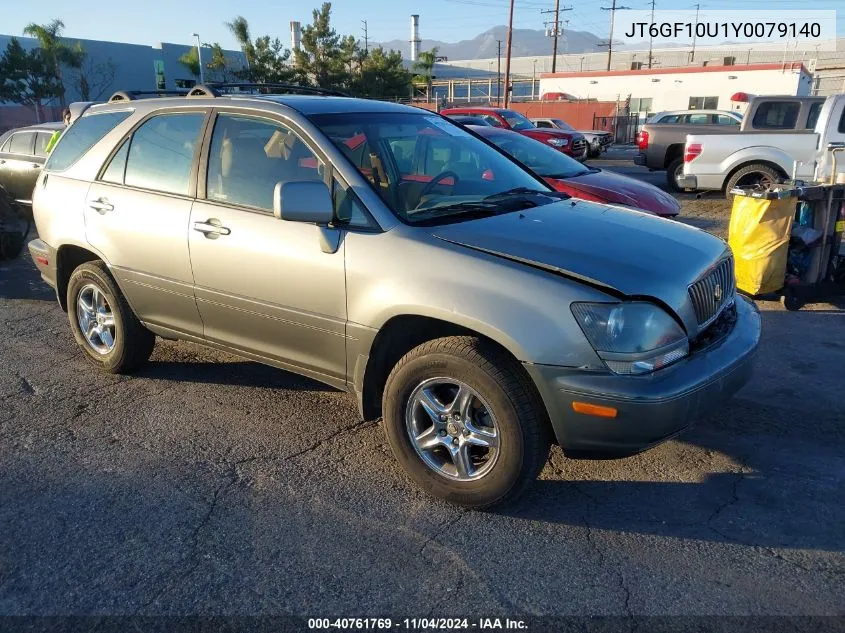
column 725, row 161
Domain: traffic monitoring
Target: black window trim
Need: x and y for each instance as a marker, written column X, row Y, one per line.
column 127, row 138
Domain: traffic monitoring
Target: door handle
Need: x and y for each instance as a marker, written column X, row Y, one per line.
column 212, row 228
column 101, row 206
column 35, row 165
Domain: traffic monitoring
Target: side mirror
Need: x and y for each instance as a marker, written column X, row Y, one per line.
column 303, row 201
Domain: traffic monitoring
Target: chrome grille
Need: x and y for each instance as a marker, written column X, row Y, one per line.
column 578, row 145
column 713, row 291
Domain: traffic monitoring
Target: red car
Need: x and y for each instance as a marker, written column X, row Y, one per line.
column 580, row 181
column 568, row 142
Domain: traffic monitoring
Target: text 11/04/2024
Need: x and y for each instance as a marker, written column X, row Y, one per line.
column 418, row 624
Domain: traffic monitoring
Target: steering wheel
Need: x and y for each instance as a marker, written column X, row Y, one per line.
column 443, row 175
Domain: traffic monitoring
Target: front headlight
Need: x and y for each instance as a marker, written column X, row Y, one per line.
column 632, row 338
column 558, row 142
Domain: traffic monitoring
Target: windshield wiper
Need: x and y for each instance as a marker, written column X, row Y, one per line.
column 528, row 195
column 462, row 210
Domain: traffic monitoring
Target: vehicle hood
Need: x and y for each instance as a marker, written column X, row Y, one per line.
column 622, row 251
column 621, row 189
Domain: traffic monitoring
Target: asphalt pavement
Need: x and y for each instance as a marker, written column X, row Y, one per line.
column 207, row 484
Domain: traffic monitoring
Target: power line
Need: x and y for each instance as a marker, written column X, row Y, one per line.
column 613, row 9
column 555, row 31
column 694, row 33
column 651, row 37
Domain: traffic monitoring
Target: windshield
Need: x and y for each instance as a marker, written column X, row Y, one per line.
column 517, row 121
column 563, row 125
column 424, row 167
column 541, row 159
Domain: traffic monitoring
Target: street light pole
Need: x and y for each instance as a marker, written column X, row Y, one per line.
column 199, row 57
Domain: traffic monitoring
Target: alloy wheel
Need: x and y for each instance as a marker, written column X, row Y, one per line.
column 95, row 318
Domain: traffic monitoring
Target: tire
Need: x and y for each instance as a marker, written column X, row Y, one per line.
column 501, row 394
column 594, row 151
column 745, row 176
column 131, row 343
column 672, row 171
column 790, row 300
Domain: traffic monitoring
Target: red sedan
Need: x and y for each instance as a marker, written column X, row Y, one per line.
column 569, row 142
column 580, row 181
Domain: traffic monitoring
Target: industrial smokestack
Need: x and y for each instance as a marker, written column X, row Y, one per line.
column 295, row 35
column 415, row 36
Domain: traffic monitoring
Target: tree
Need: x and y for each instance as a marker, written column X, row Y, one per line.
column 383, row 75
column 425, row 65
column 218, row 67
column 320, row 60
column 93, row 80
column 191, row 61
column 56, row 53
column 28, row 77
column 267, row 58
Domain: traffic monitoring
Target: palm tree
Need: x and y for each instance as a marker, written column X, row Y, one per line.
column 239, row 27
column 55, row 51
column 425, row 65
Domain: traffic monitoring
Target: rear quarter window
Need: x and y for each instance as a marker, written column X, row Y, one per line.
column 82, row 136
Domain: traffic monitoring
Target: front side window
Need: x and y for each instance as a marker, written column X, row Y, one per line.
column 82, row 136
column 22, row 143
column 42, row 139
column 427, row 169
column 250, row 155
column 516, row 121
column 161, row 152
column 776, row 115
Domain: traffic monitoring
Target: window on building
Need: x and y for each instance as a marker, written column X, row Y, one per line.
column 641, row 104
column 249, row 156
column 703, row 103
column 161, row 81
column 161, row 152
column 82, row 136
column 776, row 115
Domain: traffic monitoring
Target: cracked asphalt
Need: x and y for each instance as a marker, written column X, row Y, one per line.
column 207, row 484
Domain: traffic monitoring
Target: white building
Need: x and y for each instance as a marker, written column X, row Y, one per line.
column 697, row 87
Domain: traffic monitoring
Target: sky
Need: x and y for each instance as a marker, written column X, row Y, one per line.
column 152, row 21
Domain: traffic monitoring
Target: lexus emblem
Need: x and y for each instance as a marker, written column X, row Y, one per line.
column 717, row 293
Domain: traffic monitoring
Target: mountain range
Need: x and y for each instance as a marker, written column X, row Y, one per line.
column 526, row 42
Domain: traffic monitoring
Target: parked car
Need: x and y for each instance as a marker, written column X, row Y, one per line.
column 388, row 252
column 597, row 140
column 697, row 117
column 570, row 143
column 469, row 120
column 662, row 144
column 22, row 155
column 587, row 183
column 750, row 158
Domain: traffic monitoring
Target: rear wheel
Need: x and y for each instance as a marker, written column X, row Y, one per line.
column 103, row 324
column 465, row 421
column 675, row 168
column 754, row 175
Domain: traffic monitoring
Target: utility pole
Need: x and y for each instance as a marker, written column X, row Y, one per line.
column 508, row 56
column 499, row 73
column 651, row 39
column 555, row 30
column 613, row 9
column 692, row 56
column 366, row 40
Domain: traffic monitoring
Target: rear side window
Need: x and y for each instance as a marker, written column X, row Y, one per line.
column 724, row 119
column 117, row 167
column 813, row 117
column 776, row 115
column 22, row 143
column 82, row 136
column 161, row 152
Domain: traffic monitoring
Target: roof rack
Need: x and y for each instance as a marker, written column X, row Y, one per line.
column 218, row 89
column 132, row 95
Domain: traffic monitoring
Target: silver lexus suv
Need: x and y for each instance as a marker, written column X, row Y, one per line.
column 387, row 252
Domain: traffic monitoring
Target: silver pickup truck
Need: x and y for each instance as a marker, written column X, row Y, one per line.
column 661, row 141
column 722, row 162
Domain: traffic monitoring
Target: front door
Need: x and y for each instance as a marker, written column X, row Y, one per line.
column 137, row 215
column 264, row 285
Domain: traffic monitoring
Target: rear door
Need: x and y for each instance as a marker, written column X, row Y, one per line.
column 137, row 215
column 18, row 168
column 264, row 285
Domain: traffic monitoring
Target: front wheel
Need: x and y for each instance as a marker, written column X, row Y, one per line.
column 103, row 324
column 465, row 421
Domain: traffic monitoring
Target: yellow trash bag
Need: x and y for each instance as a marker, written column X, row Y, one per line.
column 759, row 237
